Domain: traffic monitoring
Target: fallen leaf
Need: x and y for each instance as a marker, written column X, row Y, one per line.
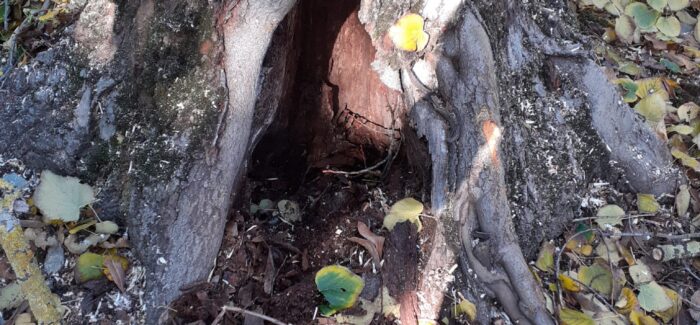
column 627, row 301
column 377, row 240
column 466, row 307
column 569, row 284
column 608, row 251
column 676, row 5
column 270, row 273
column 61, row 198
column 695, row 311
column 573, row 317
column 682, row 200
column 408, row 209
column 545, row 258
column 640, row 273
column 610, row 214
column 407, row 33
column 686, row 159
column 670, row 313
column 652, row 107
column 652, row 297
column 596, row 277
column 646, row 203
column 89, row 267
column 289, row 210
column 116, row 272
column 638, row 318
column 82, row 226
column 670, row 26
column 106, row 227
column 339, row 286
column 369, row 247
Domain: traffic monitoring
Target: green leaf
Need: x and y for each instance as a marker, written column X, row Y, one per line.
column 630, row 88
column 624, row 28
column 685, row 159
column 670, row 65
column 596, row 277
column 643, row 16
column 573, row 317
column 545, row 259
column 652, row 107
column 600, row 4
column 658, row 5
column 610, row 214
column 467, row 308
column 407, row 209
column 89, row 267
column 646, row 203
column 676, row 5
column 106, row 227
column 682, row 200
column 686, row 18
column 681, row 129
column 339, row 286
column 588, row 235
column 670, row 26
column 61, row 197
column 630, row 68
column 640, row 273
column 652, row 297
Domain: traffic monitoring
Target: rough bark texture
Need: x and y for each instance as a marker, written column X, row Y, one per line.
column 537, row 121
column 156, row 102
column 144, row 99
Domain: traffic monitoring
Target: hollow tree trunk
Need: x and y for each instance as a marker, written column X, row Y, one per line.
column 160, row 103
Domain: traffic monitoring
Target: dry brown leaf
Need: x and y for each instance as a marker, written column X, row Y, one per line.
column 377, row 240
column 369, row 247
column 270, row 273
column 116, row 272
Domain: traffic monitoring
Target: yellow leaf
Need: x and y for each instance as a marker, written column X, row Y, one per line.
column 407, row 209
column 652, row 107
column 569, row 284
column 638, row 318
column 82, row 226
column 627, row 301
column 466, row 307
column 668, row 314
column 48, row 16
column 646, row 203
column 408, row 35
column 545, row 259
column 573, row 317
column 648, row 86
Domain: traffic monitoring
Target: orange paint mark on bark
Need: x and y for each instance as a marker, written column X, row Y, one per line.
column 492, row 134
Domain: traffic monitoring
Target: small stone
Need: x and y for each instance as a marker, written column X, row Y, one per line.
column 54, row 259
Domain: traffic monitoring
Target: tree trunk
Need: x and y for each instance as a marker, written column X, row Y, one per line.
column 160, row 104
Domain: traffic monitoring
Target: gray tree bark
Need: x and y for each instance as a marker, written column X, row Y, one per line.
column 161, row 102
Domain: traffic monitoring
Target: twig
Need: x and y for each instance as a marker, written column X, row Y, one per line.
column 6, row 16
column 358, row 172
column 631, row 216
column 224, row 309
column 650, row 235
column 597, row 296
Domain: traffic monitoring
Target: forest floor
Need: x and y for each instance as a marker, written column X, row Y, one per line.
column 630, row 258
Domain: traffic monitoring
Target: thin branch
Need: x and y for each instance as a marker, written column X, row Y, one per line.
column 225, row 309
